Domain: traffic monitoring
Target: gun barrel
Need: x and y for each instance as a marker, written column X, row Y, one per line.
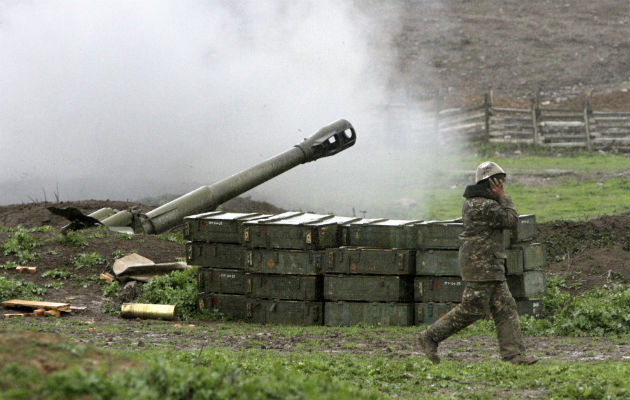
column 328, row 141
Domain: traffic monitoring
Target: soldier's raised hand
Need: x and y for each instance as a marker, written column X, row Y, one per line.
column 496, row 187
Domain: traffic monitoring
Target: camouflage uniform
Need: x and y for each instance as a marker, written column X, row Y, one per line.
column 482, row 260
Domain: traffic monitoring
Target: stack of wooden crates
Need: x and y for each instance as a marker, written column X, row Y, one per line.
column 311, row 269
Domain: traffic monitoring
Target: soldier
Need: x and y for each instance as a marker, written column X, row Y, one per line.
column 482, row 259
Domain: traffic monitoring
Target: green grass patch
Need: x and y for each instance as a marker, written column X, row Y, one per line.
column 83, row 260
column 572, row 201
column 581, row 162
column 21, row 246
column 57, row 273
column 73, row 238
column 223, row 373
column 178, row 288
column 18, row 289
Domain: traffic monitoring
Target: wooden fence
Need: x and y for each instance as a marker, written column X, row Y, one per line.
column 586, row 128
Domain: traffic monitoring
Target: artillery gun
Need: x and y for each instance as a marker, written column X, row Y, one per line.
column 328, row 141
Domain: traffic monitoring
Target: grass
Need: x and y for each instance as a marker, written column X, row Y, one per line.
column 572, row 200
column 80, row 371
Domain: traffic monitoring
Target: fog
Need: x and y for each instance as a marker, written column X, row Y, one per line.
column 130, row 99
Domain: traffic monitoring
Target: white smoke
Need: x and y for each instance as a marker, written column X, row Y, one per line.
column 122, row 100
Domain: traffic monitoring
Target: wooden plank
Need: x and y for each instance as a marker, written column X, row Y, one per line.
column 47, row 305
column 570, row 144
column 574, row 138
column 461, row 118
column 448, row 111
column 624, row 114
column 510, row 110
column 512, row 140
column 554, row 124
column 478, row 125
column 557, row 110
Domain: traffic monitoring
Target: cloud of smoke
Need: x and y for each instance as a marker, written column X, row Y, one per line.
column 124, row 100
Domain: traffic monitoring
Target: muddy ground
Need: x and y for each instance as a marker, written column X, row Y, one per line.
column 589, row 253
column 560, row 50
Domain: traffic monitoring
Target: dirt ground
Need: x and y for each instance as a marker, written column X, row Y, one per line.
column 453, row 49
column 560, row 50
column 590, row 253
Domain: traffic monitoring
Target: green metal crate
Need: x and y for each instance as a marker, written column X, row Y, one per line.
column 360, row 260
column 344, row 313
column 390, row 288
column 284, row 287
column 438, row 289
column 530, row 284
column 296, row 262
column 285, row 312
column 218, row 226
column 428, row 313
column 381, row 233
column 295, row 230
column 215, row 255
column 531, row 307
column 219, row 280
column 233, row 306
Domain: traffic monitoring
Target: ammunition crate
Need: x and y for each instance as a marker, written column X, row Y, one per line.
column 297, row 262
column 233, row 306
column 531, row 307
column 439, row 234
column 534, row 256
column 285, row 312
column 380, row 233
column 285, row 287
column 530, row 284
column 368, row 288
column 428, row 313
column 294, row 230
column 218, row 226
column 216, row 280
column 437, row 262
column 357, row 260
column 526, row 229
column 344, row 313
column 439, row 289
column 215, row 255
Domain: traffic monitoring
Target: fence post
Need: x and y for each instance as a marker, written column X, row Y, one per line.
column 487, row 103
column 535, row 120
column 587, row 128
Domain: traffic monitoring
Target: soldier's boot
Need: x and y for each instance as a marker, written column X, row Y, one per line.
column 429, row 347
column 521, row 359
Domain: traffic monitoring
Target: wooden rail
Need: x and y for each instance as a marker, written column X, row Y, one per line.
column 585, row 128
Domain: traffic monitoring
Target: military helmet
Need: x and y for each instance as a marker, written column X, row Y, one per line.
column 486, row 169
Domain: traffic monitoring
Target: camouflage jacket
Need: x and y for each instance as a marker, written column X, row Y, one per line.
column 482, row 255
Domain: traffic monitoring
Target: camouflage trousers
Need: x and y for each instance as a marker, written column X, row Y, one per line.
column 480, row 299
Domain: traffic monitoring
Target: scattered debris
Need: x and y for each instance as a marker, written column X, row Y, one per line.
column 106, row 276
column 25, row 270
column 148, row 311
column 40, row 308
column 139, row 268
column 46, row 305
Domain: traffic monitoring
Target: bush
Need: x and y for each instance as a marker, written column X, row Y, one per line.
column 178, row 288
column 600, row 311
column 21, row 245
column 15, row 289
column 82, row 260
column 73, row 238
column 57, row 274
